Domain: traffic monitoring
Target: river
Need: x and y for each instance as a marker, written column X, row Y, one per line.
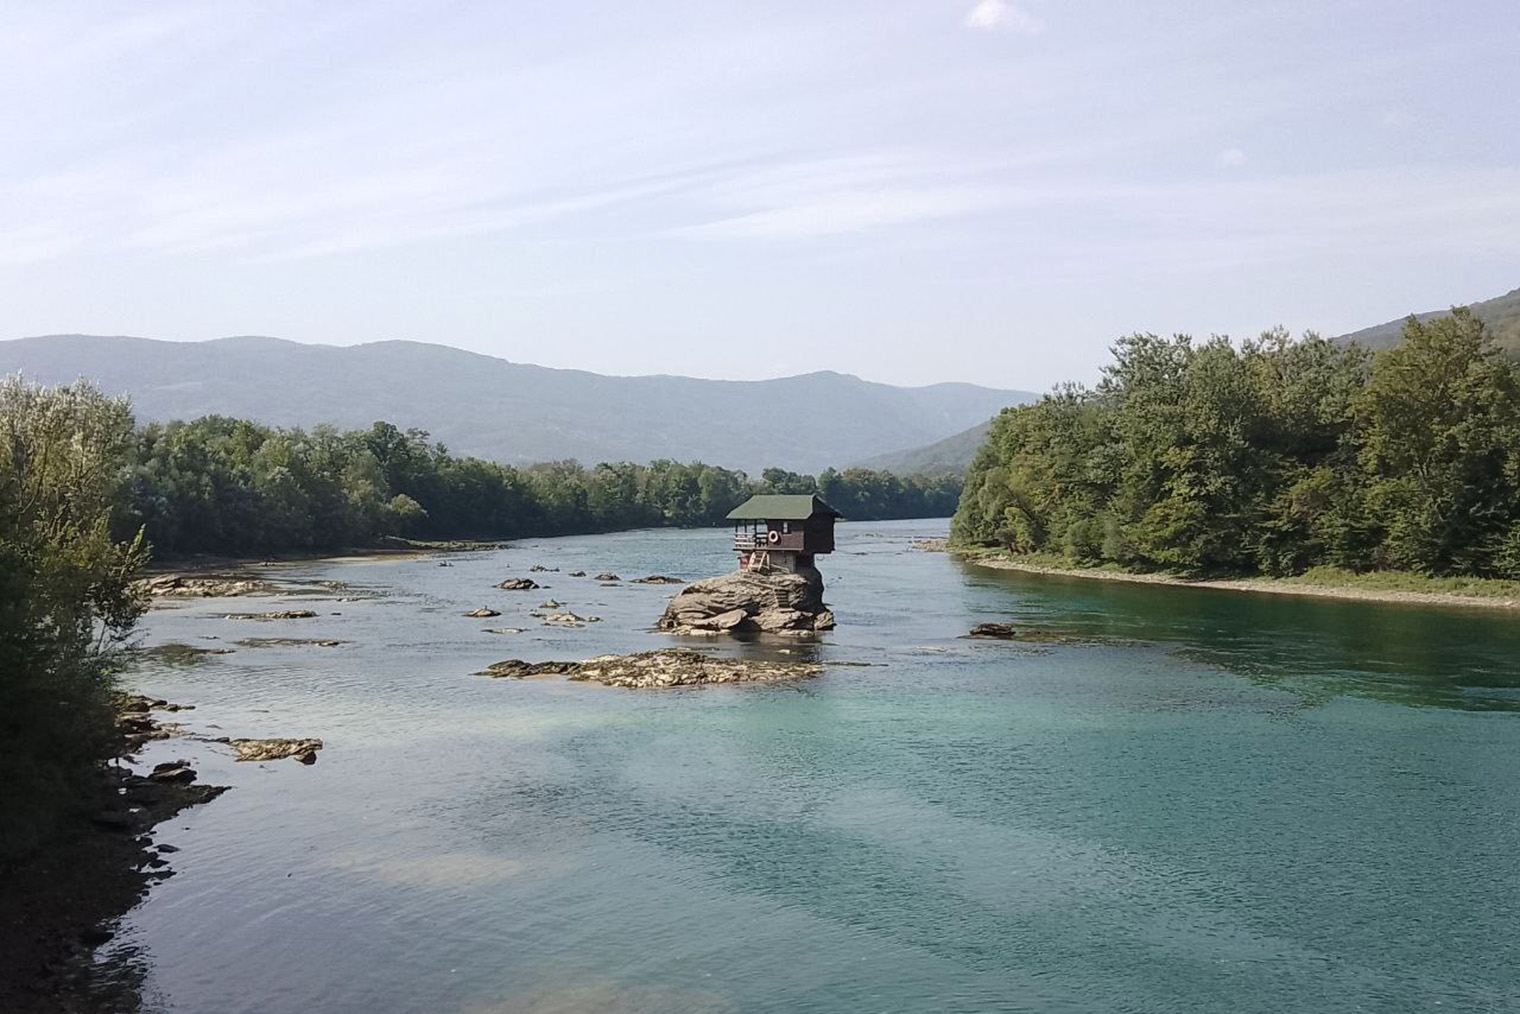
column 1206, row 801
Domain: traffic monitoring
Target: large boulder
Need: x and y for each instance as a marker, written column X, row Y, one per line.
column 773, row 602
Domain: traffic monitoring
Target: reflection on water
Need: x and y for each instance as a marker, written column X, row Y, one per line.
column 1184, row 800
column 606, row 998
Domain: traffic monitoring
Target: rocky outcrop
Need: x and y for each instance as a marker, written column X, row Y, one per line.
column 657, row 579
column 768, row 602
column 671, row 667
column 205, row 586
column 999, row 631
column 483, row 613
column 518, row 584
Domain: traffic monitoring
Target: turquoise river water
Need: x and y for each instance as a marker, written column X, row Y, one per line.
column 1210, row 802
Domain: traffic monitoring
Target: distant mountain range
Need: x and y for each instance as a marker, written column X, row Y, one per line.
column 1501, row 314
column 514, row 412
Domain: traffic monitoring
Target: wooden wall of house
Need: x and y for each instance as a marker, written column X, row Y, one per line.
column 817, row 533
column 820, row 535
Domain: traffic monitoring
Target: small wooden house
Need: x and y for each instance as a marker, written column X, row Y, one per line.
column 782, row 531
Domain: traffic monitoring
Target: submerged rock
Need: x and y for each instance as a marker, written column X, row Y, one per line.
column 609, row 576
column 577, row 573
column 667, row 667
column 657, row 579
column 539, row 568
column 284, row 614
column 566, row 619
column 1001, row 631
column 287, row 642
column 482, row 613
column 176, row 653
column 302, row 750
column 770, row 602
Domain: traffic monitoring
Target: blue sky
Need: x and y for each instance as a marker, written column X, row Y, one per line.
column 907, row 191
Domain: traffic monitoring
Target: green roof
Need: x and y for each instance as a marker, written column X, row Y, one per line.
column 782, row 507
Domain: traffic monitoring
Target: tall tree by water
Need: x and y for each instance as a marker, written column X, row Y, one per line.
column 67, row 602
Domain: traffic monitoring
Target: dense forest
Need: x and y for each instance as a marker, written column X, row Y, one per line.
column 234, row 487
column 1272, row 457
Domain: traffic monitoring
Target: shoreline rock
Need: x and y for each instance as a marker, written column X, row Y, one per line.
column 62, row 901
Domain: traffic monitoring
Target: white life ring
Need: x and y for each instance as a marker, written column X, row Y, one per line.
column 773, row 536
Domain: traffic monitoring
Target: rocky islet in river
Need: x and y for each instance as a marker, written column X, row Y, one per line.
column 279, row 614
column 768, row 602
column 303, row 751
column 665, row 667
column 518, row 584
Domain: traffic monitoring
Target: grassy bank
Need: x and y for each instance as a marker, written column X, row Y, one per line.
column 1325, row 582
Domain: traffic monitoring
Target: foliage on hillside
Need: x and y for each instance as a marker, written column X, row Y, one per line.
column 66, row 598
column 1272, row 458
column 1500, row 315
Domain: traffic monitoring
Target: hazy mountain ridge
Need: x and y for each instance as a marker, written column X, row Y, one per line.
column 950, row 456
column 513, row 412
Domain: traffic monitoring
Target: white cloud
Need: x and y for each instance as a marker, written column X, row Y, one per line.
column 999, row 15
column 1230, row 158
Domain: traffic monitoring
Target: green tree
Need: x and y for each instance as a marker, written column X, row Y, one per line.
column 1440, row 421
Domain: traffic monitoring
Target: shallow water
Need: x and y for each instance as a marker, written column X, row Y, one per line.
column 1211, row 802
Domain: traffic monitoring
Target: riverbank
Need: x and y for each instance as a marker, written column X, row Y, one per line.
column 61, row 902
column 1321, row 582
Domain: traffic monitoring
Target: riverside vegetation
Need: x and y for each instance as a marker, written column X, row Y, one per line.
column 234, row 487
column 1279, row 458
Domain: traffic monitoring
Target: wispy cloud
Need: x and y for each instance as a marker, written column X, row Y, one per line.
column 1001, row 16
column 837, row 196
column 1230, row 158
